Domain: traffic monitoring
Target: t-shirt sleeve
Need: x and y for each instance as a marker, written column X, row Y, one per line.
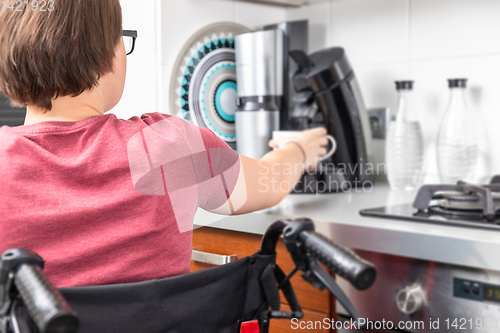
column 194, row 163
column 217, row 170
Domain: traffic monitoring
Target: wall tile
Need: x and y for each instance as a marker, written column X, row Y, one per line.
column 378, row 89
column 255, row 16
column 182, row 18
column 371, row 31
column 432, row 95
column 428, row 41
column 386, row 40
column 140, row 94
column 319, row 20
column 164, row 91
column 377, row 82
column 443, row 28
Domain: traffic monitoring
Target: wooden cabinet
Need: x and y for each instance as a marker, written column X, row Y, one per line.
column 317, row 305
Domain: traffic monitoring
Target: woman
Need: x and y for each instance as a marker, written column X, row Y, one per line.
column 106, row 200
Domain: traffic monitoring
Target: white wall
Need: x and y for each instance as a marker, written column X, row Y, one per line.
column 163, row 28
column 386, row 40
column 182, row 18
column 140, row 95
column 424, row 40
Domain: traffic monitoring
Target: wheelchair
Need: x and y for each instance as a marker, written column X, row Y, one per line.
column 242, row 296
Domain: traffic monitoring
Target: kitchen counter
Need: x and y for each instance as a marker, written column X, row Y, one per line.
column 337, row 216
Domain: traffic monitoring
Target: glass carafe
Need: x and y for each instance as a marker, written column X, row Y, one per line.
column 457, row 143
column 404, row 143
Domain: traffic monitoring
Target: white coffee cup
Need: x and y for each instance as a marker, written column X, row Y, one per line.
column 279, row 136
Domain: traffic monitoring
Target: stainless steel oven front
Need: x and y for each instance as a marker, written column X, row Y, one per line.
column 422, row 296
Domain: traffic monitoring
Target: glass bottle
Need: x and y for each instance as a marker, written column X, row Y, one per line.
column 457, row 145
column 404, row 143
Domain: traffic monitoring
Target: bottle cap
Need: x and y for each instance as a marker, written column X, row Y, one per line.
column 404, row 85
column 457, row 83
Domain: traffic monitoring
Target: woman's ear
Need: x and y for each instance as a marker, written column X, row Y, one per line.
column 113, row 82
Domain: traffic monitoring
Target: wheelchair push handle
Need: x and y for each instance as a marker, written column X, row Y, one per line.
column 44, row 302
column 340, row 259
column 304, row 244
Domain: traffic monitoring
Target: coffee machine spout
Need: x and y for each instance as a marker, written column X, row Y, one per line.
column 304, row 112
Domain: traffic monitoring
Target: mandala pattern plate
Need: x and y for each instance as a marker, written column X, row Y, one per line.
column 203, row 82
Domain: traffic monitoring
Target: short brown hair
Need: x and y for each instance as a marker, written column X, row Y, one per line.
column 46, row 54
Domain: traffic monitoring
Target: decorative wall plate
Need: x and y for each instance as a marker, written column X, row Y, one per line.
column 203, row 82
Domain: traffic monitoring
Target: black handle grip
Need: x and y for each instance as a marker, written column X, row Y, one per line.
column 340, row 259
column 44, row 302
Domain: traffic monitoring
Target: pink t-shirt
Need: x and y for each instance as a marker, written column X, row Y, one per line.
column 105, row 200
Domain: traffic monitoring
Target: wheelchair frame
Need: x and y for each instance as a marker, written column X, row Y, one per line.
column 23, row 284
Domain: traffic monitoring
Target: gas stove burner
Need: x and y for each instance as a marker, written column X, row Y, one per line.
column 460, row 205
column 461, row 214
column 461, row 200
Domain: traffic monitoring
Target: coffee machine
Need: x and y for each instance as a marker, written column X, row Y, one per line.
column 327, row 94
column 319, row 89
column 259, row 73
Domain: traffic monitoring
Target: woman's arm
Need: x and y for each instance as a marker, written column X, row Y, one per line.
column 262, row 183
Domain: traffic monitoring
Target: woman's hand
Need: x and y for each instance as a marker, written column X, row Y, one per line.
column 264, row 182
column 312, row 141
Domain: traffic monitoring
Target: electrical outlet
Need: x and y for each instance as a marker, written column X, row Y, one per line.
column 378, row 122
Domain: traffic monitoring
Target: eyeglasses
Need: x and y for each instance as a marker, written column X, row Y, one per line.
column 129, row 37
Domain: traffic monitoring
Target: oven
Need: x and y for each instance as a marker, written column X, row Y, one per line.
column 423, row 296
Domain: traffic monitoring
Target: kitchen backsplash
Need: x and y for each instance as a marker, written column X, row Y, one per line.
column 163, row 28
column 427, row 41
